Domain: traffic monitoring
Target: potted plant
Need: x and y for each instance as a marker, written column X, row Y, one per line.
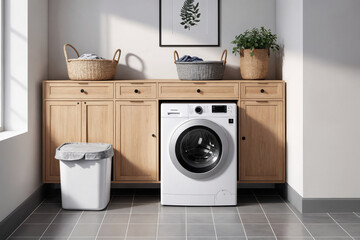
column 254, row 48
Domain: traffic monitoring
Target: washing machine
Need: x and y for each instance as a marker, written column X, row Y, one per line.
column 198, row 154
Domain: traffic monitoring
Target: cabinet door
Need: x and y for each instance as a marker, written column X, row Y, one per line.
column 136, row 147
column 62, row 124
column 262, row 141
column 98, row 121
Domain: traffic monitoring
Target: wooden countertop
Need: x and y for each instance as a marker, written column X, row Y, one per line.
column 168, row 80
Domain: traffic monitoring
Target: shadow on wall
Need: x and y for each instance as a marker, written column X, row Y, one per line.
column 279, row 58
column 102, row 26
column 232, row 72
column 134, row 68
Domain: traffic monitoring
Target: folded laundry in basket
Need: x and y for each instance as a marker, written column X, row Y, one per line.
column 187, row 58
column 89, row 56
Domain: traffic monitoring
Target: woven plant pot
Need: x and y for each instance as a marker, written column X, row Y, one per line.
column 256, row 66
column 91, row 69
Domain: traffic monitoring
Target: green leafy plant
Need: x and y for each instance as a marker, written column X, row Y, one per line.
column 190, row 14
column 255, row 39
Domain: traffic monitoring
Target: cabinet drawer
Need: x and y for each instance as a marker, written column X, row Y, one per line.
column 79, row 90
column 135, row 90
column 199, row 90
column 261, row 90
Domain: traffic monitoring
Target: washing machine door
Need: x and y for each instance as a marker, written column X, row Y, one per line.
column 198, row 148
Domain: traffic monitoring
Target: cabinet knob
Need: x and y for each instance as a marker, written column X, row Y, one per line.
column 82, row 90
column 243, row 138
column 262, row 90
column 136, row 91
column 198, row 90
column 78, row 103
column 153, row 135
column 84, row 102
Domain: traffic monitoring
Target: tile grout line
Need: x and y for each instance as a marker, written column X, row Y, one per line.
column 297, row 217
column 186, row 230
column 50, row 224
column 128, row 224
column 340, row 226
column 102, row 221
column 26, row 219
column 213, row 220
column 157, row 223
column 265, row 216
column 75, row 225
column 242, row 224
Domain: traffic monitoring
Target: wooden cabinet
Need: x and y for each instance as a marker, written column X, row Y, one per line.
column 136, row 141
column 62, row 123
column 199, row 90
column 78, row 90
column 135, row 90
column 262, row 90
column 125, row 114
column 262, row 141
column 74, row 121
column 98, row 122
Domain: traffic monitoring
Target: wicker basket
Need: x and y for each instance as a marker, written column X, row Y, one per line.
column 91, row 69
column 206, row 70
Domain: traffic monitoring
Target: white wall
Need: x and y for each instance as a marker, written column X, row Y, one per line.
column 331, row 99
column 20, row 163
column 289, row 28
column 103, row 26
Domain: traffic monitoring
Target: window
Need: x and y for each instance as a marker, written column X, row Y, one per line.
column 1, row 66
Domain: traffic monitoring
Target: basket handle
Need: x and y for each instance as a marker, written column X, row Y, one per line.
column 222, row 55
column 117, row 51
column 176, row 55
column 65, row 53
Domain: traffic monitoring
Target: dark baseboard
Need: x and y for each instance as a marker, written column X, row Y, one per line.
column 11, row 222
column 322, row 205
column 291, row 196
column 318, row 205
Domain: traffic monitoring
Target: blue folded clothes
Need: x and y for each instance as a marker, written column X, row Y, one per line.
column 187, row 58
column 90, row 56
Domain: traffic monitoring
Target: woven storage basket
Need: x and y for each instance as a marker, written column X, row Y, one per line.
column 91, row 69
column 254, row 67
column 206, row 70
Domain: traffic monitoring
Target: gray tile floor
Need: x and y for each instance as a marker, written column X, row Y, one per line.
column 137, row 214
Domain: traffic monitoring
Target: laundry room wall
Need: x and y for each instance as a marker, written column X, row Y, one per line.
column 25, row 68
column 289, row 27
column 331, row 99
column 101, row 26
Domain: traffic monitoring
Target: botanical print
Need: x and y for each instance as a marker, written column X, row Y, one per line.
column 189, row 23
column 190, row 14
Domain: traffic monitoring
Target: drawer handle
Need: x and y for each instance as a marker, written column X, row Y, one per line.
column 136, row 91
column 262, row 101
column 198, row 90
column 82, row 90
column 243, row 138
column 153, row 135
column 262, row 90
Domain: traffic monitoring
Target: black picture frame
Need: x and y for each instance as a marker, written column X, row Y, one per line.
column 184, row 45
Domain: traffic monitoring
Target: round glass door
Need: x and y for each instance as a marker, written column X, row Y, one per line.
column 198, row 149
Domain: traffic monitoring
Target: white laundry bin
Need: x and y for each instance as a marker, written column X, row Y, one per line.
column 85, row 175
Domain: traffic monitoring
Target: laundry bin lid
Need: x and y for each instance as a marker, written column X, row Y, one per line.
column 84, row 151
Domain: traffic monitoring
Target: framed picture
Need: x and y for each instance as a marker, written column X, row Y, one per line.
column 189, row 23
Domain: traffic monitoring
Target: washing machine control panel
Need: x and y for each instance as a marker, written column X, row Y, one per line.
column 208, row 109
